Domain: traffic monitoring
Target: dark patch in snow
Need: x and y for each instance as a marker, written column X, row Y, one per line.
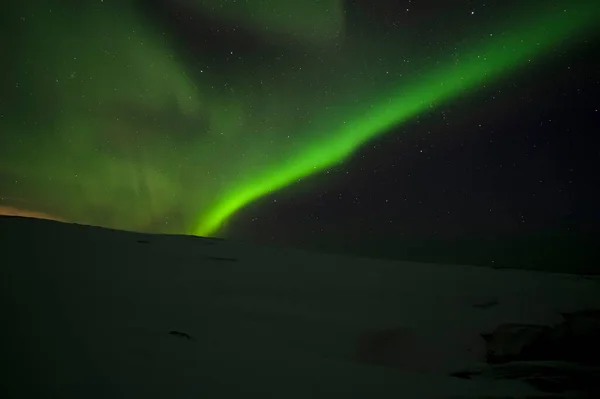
column 180, row 334
column 380, row 347
column 222, row 259
column 486, row 304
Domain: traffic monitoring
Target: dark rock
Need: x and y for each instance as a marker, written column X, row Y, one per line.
column 511, row 342
column 577, row 339
column 465, row 375
column 553, row 359
column 546, row 376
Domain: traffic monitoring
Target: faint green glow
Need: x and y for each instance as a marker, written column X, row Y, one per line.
column 276, row 17
column 110, row 117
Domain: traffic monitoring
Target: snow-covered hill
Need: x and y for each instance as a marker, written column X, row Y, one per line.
column 97, row 313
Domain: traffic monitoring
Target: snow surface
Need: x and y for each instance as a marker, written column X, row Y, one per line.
column 88, row 314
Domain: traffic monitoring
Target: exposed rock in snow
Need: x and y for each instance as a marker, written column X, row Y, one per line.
column 511, row 342
column 563, row 359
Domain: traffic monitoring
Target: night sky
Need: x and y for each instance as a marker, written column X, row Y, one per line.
column 356, row 126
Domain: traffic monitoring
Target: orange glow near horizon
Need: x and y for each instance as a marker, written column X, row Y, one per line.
column 12, row 211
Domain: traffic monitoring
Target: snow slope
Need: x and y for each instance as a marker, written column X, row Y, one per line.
column 97, row 313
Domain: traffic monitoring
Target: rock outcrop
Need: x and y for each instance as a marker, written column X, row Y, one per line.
column 556, row 359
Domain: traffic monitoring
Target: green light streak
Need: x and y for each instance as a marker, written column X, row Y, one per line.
column 497, row 57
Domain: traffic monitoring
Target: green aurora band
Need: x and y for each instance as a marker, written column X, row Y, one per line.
column 106, row 118
column 497, row 57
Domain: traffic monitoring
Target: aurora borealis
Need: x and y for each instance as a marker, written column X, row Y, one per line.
column 119, row 114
